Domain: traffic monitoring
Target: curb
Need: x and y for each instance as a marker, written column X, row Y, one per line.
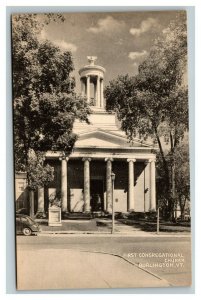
column 108, row 234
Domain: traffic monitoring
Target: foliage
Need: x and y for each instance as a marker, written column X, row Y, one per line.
column 45, row 104
column 154, row 103
column 39, row 173
column 182, row 176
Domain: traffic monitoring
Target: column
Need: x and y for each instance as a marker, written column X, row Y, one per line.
column 152, row 185
column 40, row 200
column 98, row 92
column 101, row 94
column 131, row 199
column 88, row 89
column 147, row 189
column 87, row 207
column 108, row 184
column 95, row 93
column 64, row 187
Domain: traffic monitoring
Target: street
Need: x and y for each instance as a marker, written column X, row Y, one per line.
column 70, row 261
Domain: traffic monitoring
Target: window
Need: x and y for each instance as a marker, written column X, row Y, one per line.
column 21, row 186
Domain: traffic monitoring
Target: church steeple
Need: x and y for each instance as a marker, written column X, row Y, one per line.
column 92, row 75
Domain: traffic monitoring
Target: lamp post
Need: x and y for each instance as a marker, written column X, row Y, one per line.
column 158, row 221
column 113, row 179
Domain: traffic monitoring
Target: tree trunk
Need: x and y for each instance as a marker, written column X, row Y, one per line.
column 173, row 190
column 163, row 156
column 167, row 187
column 31, row 203
column 182, row 207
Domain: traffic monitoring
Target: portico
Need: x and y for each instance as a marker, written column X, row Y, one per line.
column 134, row 190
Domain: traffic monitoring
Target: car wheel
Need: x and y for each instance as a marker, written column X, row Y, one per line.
column 26, row 231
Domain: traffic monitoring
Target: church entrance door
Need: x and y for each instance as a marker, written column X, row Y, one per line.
column 97, row 195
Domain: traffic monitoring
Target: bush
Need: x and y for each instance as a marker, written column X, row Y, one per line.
column 137, row 215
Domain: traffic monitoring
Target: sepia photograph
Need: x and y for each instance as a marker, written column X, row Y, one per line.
column 101, row 150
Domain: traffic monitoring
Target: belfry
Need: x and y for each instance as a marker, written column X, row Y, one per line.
column 92, row 74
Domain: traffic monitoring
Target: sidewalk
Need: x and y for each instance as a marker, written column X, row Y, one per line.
column 99, row 227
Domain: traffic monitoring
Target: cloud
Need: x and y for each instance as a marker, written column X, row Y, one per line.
column 119, row 42
column 145, row 26
column 65, row 46
column 137, row 55
column 135, row 64
column 107, row 24
column 59, row 43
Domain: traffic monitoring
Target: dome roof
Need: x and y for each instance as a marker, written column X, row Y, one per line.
column 91, row 68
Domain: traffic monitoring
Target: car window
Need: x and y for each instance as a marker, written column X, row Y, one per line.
column 31, row 220
column 24, row 219
column 28, row 220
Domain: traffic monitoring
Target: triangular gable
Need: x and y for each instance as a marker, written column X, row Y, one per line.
column 101, row 138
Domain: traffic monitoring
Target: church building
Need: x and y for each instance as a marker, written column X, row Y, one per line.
column 84, row 178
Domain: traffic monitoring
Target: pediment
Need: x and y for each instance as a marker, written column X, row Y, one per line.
column 102, row 139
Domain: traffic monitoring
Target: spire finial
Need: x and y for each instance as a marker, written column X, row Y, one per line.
column 91, row 60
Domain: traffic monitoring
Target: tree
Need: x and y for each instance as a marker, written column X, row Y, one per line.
column 45, row 104
column 182, row 177
column 154, row 103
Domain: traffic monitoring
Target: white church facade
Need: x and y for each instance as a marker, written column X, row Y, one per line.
column 83, row 179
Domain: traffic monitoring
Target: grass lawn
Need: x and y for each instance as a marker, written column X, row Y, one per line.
column 165, row 226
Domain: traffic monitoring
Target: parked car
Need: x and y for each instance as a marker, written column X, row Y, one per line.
column 26, row 225
column 22, row 211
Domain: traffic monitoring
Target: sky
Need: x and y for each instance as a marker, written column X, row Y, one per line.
column 119, row 40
